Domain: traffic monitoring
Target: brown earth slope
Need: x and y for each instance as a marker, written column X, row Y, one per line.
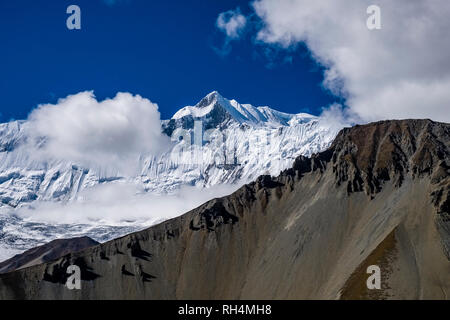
column 379, row 195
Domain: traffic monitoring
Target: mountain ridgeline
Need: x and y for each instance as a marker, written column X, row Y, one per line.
column 380, row 195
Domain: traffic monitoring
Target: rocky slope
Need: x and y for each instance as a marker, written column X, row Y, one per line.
column 378, row 196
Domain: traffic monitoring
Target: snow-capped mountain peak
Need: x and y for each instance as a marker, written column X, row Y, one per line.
column 215, row 109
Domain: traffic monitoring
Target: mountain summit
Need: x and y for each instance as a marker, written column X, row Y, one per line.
column 216, row 111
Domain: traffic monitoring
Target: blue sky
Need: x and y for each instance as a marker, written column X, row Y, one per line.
column 161, row 50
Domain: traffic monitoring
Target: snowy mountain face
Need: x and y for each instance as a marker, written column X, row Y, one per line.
column 239, row 142
column 217, row 141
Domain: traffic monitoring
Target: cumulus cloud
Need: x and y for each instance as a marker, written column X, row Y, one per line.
column 399, row 71
column 112, row 132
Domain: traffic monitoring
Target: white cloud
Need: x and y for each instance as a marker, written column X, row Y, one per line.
column 232, row 23
column 400, row 71
column 121, row 203
column 113, row 132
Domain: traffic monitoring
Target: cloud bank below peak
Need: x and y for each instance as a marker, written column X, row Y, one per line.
column 399, row 71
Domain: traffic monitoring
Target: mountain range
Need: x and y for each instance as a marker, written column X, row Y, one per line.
column 23, row 179
column 378, row 196
column 215, row 142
